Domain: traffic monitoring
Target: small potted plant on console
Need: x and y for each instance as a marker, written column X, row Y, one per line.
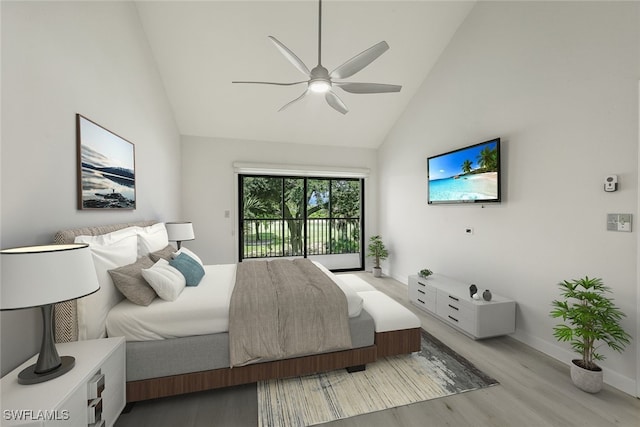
column 424, row 273
column 378, row 252
column 590, row 318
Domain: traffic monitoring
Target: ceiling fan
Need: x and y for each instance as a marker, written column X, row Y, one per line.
column 320, row 80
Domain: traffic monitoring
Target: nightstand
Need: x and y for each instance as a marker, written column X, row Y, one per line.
column 91, row 394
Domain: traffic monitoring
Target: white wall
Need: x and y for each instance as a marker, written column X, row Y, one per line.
column 558, row 83
column 210, row 185
column 59, row 59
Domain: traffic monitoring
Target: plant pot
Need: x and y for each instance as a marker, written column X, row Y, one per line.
column 377, row 272
column 584, row 379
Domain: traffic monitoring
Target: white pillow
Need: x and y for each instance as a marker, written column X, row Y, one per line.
column 354, row 301
column 109, row 251
column 166, row 280
column 152, row 238
column 186, row 251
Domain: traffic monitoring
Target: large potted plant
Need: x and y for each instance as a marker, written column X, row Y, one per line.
column 378, row 252
column 591, row 320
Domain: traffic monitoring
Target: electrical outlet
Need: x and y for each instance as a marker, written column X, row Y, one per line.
column 619, row 222
column 624, row 222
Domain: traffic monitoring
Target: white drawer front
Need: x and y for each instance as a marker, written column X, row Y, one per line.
column 454, row 317
column 448, row 304
column 426, row 301
column 455, row 311
column 422, row 295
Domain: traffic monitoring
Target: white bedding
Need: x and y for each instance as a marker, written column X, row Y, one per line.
column 199, row 310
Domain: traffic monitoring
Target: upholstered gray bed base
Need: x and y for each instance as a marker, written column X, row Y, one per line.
column 152, row 359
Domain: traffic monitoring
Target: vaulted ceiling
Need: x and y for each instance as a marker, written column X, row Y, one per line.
column 202, row 46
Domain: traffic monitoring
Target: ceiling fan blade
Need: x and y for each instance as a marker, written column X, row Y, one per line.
column 367, row 87
column 359, row 61
column 272, row 83
column 336, row 102
column 285, row 106
column 297, row 62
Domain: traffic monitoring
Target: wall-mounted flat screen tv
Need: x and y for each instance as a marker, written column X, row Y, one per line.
column 467, row 175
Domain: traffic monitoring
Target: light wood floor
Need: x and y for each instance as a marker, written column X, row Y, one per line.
column 535, row 390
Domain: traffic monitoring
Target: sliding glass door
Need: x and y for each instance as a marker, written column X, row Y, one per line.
column 318, row 218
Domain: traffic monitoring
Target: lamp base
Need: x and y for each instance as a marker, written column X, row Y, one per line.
column 29, row 376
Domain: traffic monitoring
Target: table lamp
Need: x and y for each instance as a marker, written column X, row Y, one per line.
column 179, row 232
column 41, row 276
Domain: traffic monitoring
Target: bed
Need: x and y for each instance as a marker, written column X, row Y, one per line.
column 186, row 352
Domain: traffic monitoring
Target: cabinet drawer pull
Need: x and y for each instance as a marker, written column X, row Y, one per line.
column 454, row 307
column 421, row 284
column 419, row 300
column 421, row 291
column 454, row 298
column 453, row 318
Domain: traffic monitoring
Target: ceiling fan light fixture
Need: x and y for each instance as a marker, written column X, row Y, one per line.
column 319, row 86
column 322, row 81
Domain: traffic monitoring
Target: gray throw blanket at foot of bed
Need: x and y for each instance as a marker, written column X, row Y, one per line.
column 285, row 308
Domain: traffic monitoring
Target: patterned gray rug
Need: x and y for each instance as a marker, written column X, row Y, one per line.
column 435, row 371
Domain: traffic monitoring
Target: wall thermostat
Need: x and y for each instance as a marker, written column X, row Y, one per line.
column 611, row 183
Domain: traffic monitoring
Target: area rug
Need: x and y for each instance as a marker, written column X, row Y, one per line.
column 435, row 371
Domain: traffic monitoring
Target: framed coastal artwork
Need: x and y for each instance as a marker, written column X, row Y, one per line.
column 106, row 168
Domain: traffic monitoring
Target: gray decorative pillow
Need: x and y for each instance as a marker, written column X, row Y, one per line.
column 128, row 279
column 165, row 253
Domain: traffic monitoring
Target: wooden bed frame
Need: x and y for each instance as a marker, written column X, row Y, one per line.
column 385, row 344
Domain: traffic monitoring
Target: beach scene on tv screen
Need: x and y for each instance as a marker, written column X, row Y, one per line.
column 466, row 175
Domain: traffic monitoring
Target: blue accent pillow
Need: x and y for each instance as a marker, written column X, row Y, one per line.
column 189, row 267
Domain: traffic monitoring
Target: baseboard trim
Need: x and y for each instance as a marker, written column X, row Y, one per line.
column 611, row 377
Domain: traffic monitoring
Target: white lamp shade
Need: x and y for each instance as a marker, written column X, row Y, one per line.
column 39, row 275
column 180, row 231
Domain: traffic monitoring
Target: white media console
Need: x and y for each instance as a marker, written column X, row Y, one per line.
column 451, row 302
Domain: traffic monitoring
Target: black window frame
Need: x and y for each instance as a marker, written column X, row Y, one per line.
column 305, row 219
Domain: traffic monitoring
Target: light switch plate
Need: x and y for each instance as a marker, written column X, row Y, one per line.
column 619, row 222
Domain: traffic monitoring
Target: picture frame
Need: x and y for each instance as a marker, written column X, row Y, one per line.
column 106, row 168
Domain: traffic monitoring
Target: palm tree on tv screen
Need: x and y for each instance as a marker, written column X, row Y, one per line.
column 488, row 159
column 466, row 166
